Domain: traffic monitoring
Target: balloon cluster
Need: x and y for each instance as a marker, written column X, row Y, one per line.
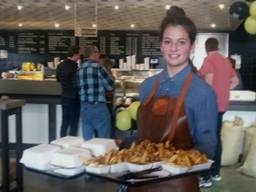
column 125, row 113
column 245, row 10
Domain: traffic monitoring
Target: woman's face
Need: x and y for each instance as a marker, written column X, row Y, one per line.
column 176, row 47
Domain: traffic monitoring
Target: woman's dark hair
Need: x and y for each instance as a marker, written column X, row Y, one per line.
column 211, row 44
column 174, row 18
column 175, row 10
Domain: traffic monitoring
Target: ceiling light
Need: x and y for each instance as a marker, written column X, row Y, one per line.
column 20, row 25
column 213, row 25
column 221, row 6
column 116, row 7
column 67, row 7
column 94, row 25
column 167, row 7
column 56, row 25
column 19, row 7
column 132, row 25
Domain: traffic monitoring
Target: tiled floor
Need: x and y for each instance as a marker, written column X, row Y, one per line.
column 232, row 181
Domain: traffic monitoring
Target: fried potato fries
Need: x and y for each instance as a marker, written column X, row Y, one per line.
column 149, row 152
column 187, row 158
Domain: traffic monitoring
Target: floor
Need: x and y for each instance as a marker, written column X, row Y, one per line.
column 232, row 181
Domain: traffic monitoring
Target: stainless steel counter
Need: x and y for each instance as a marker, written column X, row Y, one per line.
column 30, row 87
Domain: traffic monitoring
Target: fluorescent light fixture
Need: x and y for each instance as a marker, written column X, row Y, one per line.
column 67, row 7
column 56, row 25
column 167, row 7
column 213, row 25
column 132, row 25
column 19, row 7
column 221, row 6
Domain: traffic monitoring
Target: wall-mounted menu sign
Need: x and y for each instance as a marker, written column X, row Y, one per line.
column 114, row 44
column 60, row 41
column 7, row 42
column 150, row 44
column 119, row 44
column 31, row 42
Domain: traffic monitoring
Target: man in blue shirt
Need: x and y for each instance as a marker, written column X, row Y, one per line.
column 93, row 82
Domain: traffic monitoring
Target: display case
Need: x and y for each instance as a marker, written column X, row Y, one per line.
column 126, row 92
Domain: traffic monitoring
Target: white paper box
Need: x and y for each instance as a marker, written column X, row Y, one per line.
column 140, row 167
column 38, row 157
column 69, row 172
column 202, row 166
column 174, row 169
column 70, row 157
column 68, row 141
column 119, row 167
column 100, row 146
column 98, row 169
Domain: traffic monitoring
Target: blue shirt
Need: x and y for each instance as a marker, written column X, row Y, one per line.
column 200, row 106
column 93, row 81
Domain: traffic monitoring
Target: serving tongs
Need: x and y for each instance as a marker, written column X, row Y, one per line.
column 140, row 174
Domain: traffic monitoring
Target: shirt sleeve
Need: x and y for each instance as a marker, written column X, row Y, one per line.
column 106, row 79
column 205, row 118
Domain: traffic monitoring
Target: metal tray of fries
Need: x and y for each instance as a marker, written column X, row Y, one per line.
column 148, row 162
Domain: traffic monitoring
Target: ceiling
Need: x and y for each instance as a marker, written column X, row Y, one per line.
column 144, row 14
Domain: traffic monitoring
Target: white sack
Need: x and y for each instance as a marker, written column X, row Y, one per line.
column 249, row 166
column 232, row 135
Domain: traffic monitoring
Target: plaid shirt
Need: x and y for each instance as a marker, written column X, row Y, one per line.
column 93, row 81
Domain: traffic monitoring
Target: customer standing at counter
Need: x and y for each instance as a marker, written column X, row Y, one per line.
column 93, row 82
column 66, row 75
column 177, row 101
column 217, row 71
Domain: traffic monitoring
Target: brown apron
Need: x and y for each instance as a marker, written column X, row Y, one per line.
column 163, row 118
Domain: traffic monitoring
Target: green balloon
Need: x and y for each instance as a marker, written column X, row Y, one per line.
column 253, row 10
column 133, row 108
column 250, row 25
column 123, row 120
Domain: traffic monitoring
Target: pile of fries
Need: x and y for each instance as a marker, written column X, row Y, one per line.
column 187, row 158
column 149, row 152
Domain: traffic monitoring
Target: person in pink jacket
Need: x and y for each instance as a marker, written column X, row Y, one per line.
column 217, row 71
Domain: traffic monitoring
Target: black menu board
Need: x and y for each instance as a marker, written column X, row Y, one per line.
column 117, row 44
column 60, row 41
column 31, row 42
column 85, row 41
column 150, row 46
column 7, row 41
column 131, row 45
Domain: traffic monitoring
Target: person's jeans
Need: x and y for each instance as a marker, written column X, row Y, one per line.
column 96, row 120
column 70, row 116
column 217, row 157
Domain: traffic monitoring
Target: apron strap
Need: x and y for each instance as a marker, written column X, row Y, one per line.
column 170, row 131
column 152, row 92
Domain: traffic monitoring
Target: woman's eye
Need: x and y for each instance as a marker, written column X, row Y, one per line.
column 167, row 42
column 182, row 42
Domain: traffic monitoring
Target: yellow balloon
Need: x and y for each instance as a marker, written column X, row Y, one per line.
column 253, row 9
column 250, row 25
column 133, row 108
column 123, row 120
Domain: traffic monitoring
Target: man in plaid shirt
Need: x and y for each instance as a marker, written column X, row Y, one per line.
column 93, row 82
